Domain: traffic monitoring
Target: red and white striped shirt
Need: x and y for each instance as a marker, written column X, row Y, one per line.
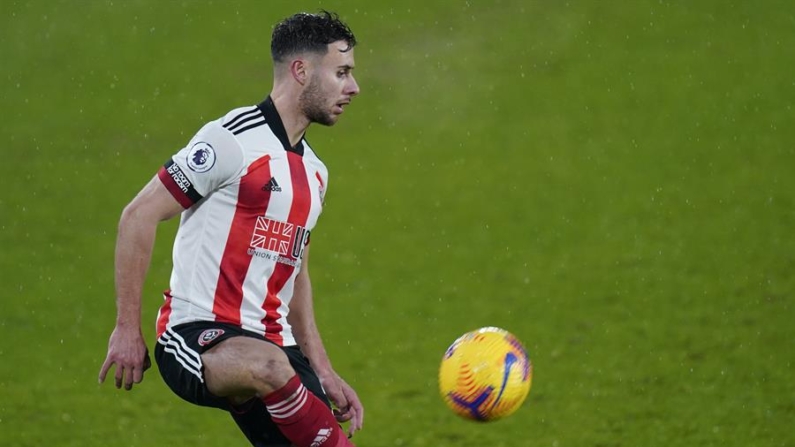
column 251, row 201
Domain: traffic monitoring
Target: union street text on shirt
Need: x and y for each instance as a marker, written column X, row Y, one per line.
column 279, row 241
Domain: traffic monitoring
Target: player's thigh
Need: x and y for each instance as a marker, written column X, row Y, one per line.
column 245, row 367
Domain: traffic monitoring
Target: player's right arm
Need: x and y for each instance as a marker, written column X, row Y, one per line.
column 135, row 241
column 210, row 160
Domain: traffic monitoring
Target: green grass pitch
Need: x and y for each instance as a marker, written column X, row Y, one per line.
column 612, row 181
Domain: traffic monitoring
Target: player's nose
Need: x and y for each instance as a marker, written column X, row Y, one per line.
column 352, row 87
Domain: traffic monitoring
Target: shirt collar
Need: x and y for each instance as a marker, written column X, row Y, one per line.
column 273, row 119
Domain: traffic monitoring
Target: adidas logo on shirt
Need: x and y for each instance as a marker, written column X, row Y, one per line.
column 272, row 186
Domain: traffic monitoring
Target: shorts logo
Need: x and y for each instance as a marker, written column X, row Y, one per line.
column 201, row 157
column 209, row 335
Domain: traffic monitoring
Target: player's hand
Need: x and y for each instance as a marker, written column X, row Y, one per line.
column 127, row 350
column 347, row 405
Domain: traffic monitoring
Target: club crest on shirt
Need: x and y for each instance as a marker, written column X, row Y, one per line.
column 209, row 335
column 201, row 157
column 321, row 189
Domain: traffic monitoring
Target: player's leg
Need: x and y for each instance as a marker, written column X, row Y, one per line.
column 256, row 424
column 253, row 418
column 240, row 368
column 178, row 355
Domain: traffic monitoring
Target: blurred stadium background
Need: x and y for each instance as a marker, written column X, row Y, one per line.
column 610, row 181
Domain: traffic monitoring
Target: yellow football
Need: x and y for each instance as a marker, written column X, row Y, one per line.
column 485, row 374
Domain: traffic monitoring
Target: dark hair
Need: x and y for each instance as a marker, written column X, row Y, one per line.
column 308, row 32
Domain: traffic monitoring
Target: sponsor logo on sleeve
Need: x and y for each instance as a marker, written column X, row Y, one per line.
column 179, row 177
column 201, row 157
column 178, row 184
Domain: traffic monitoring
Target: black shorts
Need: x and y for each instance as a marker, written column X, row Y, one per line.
column 178, row 354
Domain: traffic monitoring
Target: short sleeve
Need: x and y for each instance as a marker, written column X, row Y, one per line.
column 212, row 159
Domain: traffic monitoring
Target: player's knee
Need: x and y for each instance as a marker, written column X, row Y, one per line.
column 272, row 372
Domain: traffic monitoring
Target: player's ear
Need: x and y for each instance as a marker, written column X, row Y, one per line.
column 298, row 70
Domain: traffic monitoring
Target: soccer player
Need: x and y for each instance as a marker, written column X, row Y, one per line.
column 237, row 329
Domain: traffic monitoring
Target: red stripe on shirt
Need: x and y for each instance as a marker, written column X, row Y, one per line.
column 252, row 201
column 174, row 189
column 164, row 314
column 299, row 213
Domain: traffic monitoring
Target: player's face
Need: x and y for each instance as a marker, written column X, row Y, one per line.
column 331, row 85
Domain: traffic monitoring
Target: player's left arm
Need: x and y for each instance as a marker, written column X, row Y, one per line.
column 307, row 335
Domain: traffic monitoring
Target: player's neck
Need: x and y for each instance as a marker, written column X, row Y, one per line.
column 295, row 122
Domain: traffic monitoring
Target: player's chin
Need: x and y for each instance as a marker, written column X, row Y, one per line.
column 333, row 117
column 328, row 120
